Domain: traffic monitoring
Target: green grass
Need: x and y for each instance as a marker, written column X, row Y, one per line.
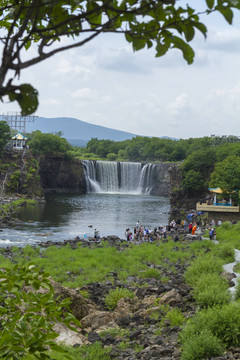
column 214, row 327
column 115, row 295
column 85, row 265
column 85, row 352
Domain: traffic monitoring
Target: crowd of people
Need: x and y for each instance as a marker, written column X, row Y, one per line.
column 142, row 233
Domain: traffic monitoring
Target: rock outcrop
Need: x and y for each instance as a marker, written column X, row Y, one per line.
column 59, row 174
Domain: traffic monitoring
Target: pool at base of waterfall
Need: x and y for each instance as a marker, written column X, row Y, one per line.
column 64, row 217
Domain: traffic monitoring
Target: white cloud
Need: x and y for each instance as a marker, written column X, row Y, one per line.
column 180, row 103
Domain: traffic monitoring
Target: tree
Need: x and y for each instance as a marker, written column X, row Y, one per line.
column 41, row 25
column 193, row 181
column 5, row 134
column 227, row 174
column 48, row 144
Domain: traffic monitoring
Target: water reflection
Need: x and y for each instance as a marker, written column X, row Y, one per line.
column 67, row 216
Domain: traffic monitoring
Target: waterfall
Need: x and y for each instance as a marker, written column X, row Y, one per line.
column 130, row 175
column 146, row 179
column 118, row 177
column 90, row 176
column 107, row 175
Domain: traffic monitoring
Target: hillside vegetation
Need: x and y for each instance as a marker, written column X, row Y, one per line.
column 208, row 161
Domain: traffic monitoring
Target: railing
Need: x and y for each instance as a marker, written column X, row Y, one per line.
column 218, row 207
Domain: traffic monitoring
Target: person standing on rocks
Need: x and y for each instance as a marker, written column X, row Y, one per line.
column 190, row 228
column 194, row 228
column 95, row 234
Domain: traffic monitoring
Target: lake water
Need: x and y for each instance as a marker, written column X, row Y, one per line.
column 64, row 217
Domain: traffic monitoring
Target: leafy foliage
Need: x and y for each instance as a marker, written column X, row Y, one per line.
column 227, row 174
column 48, row 144
column 222, row 322
column 40, row 26
column 5, row 134
column 115, row 295
column 27, row 315
column 202, row 346
column 211, row 290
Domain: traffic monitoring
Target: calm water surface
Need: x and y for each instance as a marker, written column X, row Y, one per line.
column 64, row 217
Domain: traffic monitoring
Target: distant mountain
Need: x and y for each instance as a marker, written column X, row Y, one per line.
column 79, row 132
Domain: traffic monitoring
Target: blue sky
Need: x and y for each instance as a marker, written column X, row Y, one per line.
column 105, row 83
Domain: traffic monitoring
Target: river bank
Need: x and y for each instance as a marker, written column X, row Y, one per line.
column 148, row 322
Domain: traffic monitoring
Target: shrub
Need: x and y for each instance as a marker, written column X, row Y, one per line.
column 93, row 352
column 115, row 295
column 175, row 317
column 236, row 268
column 201, row 346
column 223, row 322
column 150, row 273
column 225, row 252
column 210, row 290
column 207, row 264
column 27, row 318
column 237, row 292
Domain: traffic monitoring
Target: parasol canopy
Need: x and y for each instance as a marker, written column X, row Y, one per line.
column 217, row 190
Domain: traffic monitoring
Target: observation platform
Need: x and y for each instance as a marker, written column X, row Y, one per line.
column 219, row 207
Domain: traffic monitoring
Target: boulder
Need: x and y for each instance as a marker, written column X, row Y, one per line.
column 79, row 307
column 68, row 336
column 171, row 298
column 97, row 319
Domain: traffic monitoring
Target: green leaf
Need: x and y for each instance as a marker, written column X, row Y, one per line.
column 138, row 44
column 189, row 32
column 27, row 97
column 210, row 3
column 128, row 37
column 186, row 49
column 227, row 13
column 201, row 27
column 162, row 49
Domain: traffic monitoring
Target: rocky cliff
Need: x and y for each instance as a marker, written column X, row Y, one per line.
column 180, row 199
column 59, row 174
column 164, row 178
column 19, row 174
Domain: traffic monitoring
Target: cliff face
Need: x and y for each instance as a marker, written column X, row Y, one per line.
column 19, row 174
column 59, row 174
column 180, row 199
column 163, row 178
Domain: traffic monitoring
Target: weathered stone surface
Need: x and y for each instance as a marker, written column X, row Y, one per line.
column 126, row 306
column 172, row 297
column 229, row 277
column 97, row 319
column 59, row 174
column 80, row 307
column 68, row 336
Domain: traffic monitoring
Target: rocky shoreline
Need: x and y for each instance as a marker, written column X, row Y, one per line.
column 137, row 328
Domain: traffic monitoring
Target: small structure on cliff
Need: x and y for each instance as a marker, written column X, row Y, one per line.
column 215, row 206
column 18, row 141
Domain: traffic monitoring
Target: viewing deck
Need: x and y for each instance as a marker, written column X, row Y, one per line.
column 217, row 208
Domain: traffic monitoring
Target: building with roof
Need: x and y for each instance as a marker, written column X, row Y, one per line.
column 18, row 141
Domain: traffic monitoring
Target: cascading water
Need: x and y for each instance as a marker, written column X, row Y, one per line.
column 146, row 178
column 107, row 176
column 90, row 176
column 118, row 177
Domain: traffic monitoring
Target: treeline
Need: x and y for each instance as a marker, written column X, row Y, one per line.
column 208, row 161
